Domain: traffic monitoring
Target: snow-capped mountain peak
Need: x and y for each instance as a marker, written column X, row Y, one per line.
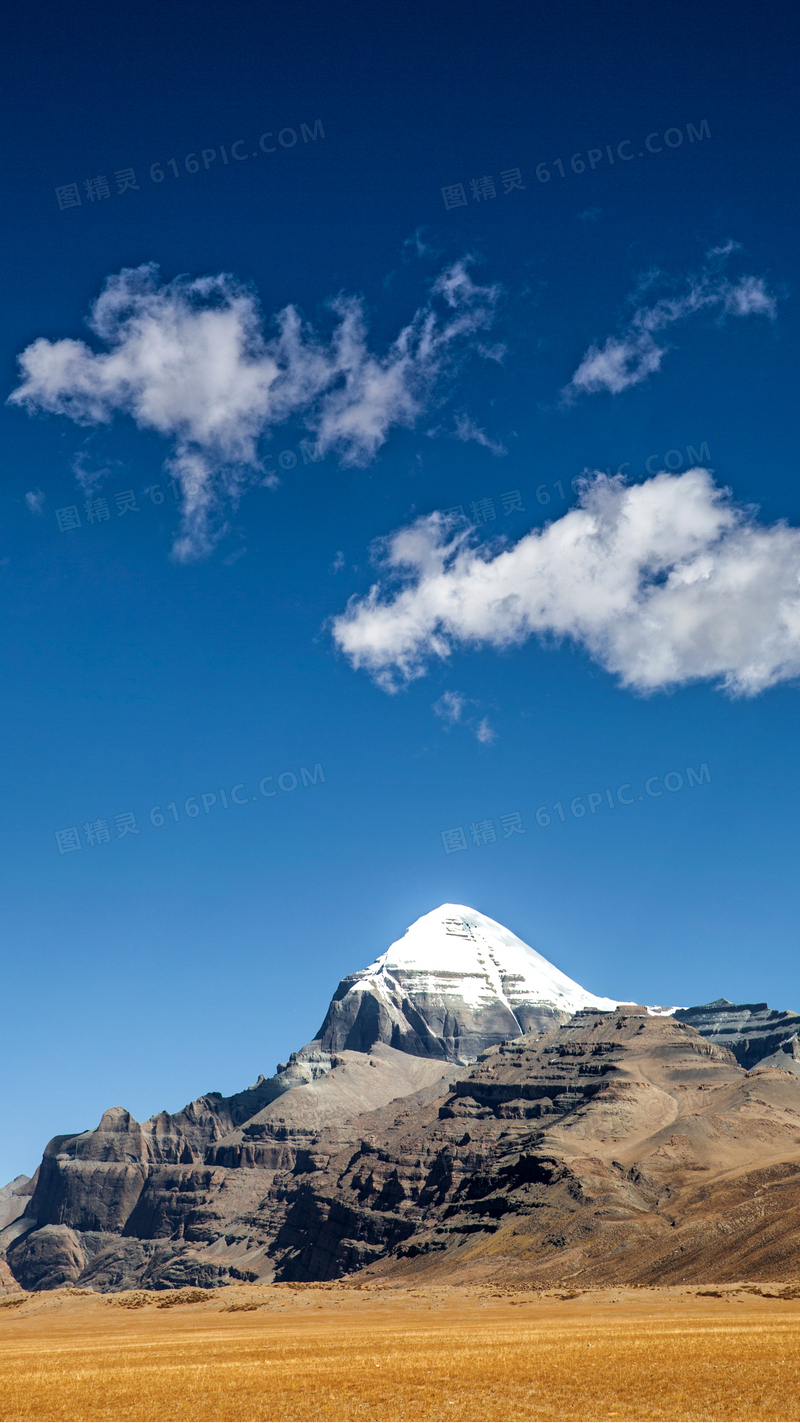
column 455, row 983
column 455, row 949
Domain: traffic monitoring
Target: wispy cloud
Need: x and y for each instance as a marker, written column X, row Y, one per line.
column 452, row 708
column 466, row 429
column 89, row 475
column 590, row 215
column 629, row 358
column 416, row 246
column 35, row 500
column 190, row 359
column 235, row 556
column 663, row 583
column 484, row 732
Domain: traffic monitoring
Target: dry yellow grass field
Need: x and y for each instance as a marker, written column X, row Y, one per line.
column 283, row 1352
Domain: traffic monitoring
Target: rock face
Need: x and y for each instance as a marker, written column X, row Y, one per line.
column 752, row 1031
column 464, row 1106
column 456, row 983
column 617, row 1148
column 131, row 1203
column 13, row 1200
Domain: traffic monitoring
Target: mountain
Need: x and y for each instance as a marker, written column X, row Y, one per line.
column 167, row 1202
column 454, row 1076
column 619, row 1147
column 456, row 983
column 13, row 1200
column 752, row 1031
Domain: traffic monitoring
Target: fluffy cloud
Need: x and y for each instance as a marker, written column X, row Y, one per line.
column 663, row 583
column 190, row 360
column 635, row 354
column 35, row 500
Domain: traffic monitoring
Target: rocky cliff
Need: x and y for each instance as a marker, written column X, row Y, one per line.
column 752, row 1031
column 463, row 1103
column 129, row 1202
column 617, row 1147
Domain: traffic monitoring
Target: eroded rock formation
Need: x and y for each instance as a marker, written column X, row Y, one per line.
column 752, row 1031
column 465, row 1107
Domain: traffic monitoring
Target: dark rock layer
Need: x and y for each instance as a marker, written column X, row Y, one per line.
column 752, row 1031
column 424, row 1024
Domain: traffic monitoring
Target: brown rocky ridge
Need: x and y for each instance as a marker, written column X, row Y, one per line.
column 606, row 1146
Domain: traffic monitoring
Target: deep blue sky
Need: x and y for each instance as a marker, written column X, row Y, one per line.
column 193, row 956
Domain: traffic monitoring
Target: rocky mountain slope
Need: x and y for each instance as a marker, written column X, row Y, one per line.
column 464, row 1107
column 619, row 1147
column 129, row 1201
column 752, row 1031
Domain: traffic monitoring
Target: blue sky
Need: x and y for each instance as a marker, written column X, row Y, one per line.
column 443, row 350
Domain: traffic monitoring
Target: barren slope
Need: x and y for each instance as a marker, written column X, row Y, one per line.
column 618, row 1147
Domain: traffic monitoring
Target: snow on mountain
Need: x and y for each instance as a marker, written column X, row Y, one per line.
column 455, row 983
column 457, row 951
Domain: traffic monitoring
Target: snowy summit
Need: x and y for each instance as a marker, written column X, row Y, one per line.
column 455, row 983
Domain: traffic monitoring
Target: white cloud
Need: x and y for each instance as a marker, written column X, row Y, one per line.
column 450, row 707
column 466, row 429
column 235, row 556
column 35, row 500
column 190, row 360
column 90, row 477
column 628, row 359
column 416, row 246
column 338, row 562
column 663, row 583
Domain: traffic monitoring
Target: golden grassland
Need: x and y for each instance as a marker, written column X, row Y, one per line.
column 383, row 1352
